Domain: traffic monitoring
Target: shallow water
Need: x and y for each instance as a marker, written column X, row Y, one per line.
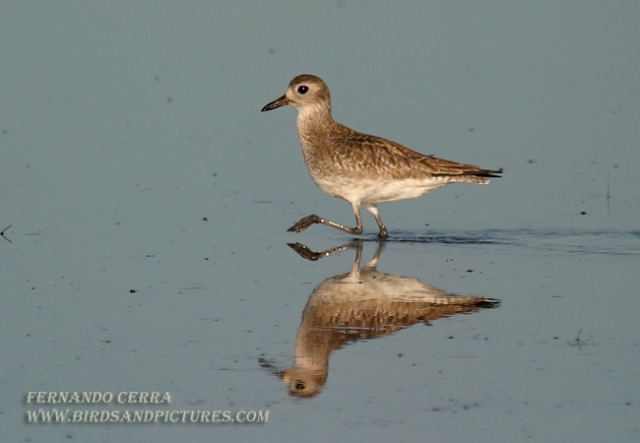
column 147, row 198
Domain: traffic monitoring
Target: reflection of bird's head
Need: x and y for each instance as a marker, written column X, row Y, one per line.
column 304, row 382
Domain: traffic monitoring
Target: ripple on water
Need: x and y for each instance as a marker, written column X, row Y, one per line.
column 581, row 241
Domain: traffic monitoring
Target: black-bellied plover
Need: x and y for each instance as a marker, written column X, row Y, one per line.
column 360, row 168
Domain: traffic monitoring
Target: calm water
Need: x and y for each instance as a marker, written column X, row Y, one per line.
column 147, row 199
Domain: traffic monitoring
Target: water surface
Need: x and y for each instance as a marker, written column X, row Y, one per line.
column 147, row 199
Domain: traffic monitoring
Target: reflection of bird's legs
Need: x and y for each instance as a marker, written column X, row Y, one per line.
column 356, row 244
column 373, row 262
column 355, row 267
column 304, row 252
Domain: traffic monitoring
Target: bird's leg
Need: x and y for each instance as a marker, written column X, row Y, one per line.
column 374, row 211
column 304, row 252
column 309, row 220
column 373, row 262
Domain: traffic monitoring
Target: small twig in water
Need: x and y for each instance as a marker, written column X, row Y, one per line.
column 577, row 339
column 608, row 197
column 2, row 233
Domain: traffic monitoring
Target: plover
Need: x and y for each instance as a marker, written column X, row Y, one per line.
column 360, row 168
column 362, row 304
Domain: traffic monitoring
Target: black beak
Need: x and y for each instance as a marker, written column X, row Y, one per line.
column 269, row 365
column 280, row 101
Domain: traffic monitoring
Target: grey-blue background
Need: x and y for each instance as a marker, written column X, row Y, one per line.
column 124, row 124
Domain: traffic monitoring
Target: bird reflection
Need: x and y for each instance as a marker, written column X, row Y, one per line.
column 361, row 304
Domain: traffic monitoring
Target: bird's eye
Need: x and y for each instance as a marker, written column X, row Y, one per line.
column 303, row 89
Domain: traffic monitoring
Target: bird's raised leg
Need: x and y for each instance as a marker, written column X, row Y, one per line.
column 374, row 211
column 304, row 252
column 309, row 220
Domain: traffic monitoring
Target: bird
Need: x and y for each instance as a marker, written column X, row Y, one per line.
column 362, row 169
column 362, row 304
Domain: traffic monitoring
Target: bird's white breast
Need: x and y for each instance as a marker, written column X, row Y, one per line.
column 376, row 191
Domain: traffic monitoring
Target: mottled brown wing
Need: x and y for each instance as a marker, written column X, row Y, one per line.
column 387, row 157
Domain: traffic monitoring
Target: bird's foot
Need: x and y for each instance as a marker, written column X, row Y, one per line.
column 304, row 252
column 304, row 223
